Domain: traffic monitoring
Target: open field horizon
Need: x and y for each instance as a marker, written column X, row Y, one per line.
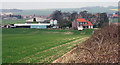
column 44, row 12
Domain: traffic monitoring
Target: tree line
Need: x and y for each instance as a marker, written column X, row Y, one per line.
column 65, row 18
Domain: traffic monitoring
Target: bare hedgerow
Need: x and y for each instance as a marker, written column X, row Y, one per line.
column 101, row 47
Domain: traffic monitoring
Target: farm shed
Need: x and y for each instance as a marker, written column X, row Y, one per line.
column 39, row 23
column 36, row 19
column 39, row 26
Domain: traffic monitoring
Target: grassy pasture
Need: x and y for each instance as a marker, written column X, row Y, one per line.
column 115, row 20
column 13, row 21
column 115, row 9
column 38, row 46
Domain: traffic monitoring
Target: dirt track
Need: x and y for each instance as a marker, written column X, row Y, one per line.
column 59, row 59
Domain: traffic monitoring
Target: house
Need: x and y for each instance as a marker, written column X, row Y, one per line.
column 53, row 22
column 8, row 13
column 81, row 24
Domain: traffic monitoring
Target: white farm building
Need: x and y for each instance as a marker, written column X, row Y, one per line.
column 39, row 23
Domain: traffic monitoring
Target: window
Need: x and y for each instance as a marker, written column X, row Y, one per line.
column 80, row 22
column 86, row 23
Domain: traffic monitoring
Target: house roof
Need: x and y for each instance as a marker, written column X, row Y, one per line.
column 83, row 20
column 89, row 23
column 115, row 15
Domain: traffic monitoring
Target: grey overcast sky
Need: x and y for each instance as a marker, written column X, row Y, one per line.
column 49, row 4
column 60, row 0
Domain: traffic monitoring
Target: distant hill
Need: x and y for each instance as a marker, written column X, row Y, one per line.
column 99, row 9
column 10, row 10
column 96, row 9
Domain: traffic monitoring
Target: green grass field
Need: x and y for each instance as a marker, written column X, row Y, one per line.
column 115, row 20
column 39, row 46
column 13, row 21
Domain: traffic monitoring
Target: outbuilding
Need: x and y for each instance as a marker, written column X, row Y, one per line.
column 39, row 26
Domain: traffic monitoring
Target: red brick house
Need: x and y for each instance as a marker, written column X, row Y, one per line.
column 81, row 24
